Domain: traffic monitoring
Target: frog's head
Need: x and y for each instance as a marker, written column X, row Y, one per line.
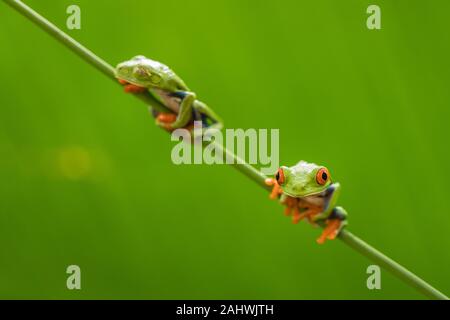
column 303, row 179
column 143, row 72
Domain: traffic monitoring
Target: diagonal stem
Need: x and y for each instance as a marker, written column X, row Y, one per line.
column 347, row 237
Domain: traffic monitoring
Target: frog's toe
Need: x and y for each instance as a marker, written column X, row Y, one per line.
column 296, row 218
column 276, row 189
column 287, row 211
column 321, row 240
column 340, row 226
column 331, row 230
column 332, row 236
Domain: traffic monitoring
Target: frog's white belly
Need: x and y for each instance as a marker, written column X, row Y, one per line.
column 173, row 103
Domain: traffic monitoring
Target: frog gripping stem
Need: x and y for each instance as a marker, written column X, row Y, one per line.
column 331, row 230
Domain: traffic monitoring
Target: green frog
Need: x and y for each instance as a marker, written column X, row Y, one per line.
column 307, row 191
column 141, row 74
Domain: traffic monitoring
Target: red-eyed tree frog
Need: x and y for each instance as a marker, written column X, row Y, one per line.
column 307, row 192
column 141, row 74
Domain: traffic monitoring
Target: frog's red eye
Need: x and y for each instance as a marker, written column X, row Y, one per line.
column 322, row 176
column 280, row 176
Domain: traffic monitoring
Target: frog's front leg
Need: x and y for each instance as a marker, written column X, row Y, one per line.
column 184, row 113
column 290, row 202
column 331, row 196
column 297, row 208
column 276, row 188
column 131, row 88
column 202, row 108
column 334, row 217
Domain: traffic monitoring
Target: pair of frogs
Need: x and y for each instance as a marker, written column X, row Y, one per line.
column 305, row 189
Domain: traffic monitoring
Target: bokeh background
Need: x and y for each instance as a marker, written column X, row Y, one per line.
column 86, row 178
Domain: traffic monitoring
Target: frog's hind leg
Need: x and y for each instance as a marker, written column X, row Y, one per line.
column 185, row 112
column 205, row 111
column 334, row 225
column 340, row 214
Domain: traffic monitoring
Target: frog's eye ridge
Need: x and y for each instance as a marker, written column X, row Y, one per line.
column 322, row 176
column 279, row 176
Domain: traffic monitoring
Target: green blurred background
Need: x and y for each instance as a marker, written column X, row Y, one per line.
column 87, row 179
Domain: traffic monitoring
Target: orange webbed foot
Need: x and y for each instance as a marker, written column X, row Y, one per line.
column 331, row 231
column 165, row 120
column 131, row 88
column 296, row 218
column 332, row 236
column 276, row 190
column 166, row 117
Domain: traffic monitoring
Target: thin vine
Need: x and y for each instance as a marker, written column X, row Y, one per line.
column 345, row 236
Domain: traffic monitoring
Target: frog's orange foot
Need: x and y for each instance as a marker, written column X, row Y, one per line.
column 333, row 235
column 297, row 217
column 276, row 190
column 164, row 120
column 131, row 88
column 287, row 211
column 331, row 230
column 166, row 117
column 270, row 182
